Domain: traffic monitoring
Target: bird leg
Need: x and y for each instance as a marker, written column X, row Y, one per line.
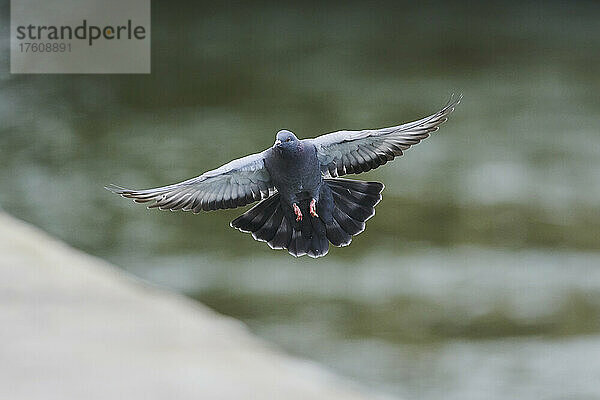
column 313, row 208
column 297, row 212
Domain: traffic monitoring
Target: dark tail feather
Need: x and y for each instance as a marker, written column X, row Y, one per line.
column 319, row 245
column 253, row 219
column 309, row 236
column 355, row 203
column 268, row 231
column 283, row 236
column 269, row 222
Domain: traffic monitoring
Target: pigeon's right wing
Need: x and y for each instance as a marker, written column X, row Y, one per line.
column 235, row 184
column 347, row 152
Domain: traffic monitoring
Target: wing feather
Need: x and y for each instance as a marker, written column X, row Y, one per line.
column 237, row 183
column 345, row 152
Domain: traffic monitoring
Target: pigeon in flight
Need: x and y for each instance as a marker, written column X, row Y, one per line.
column 303, row 204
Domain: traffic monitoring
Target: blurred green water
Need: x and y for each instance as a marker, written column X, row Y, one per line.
column 484, row 248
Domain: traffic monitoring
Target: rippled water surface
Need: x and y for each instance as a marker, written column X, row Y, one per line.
column 479, row 276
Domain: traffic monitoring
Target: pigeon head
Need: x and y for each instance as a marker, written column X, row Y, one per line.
column 285, row 140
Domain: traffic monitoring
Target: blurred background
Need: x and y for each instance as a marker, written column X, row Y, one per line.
column 479, row 276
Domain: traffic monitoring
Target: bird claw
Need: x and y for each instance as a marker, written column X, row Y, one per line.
column 313, row 208
column 297, row 212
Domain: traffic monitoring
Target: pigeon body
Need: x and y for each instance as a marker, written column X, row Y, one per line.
column 304, row 205
column 294, row 167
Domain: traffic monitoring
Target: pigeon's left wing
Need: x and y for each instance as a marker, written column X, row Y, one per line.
column 348, row 152
column 235, row 184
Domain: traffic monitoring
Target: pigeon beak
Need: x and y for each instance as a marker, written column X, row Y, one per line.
column 277, row 143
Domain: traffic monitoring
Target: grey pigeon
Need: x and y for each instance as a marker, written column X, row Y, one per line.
column 303, row 204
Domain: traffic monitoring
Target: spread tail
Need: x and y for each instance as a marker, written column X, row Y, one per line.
column 343, row 208
column 270, row 221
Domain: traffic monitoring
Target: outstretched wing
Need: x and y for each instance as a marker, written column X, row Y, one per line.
column 235, row 184
column 347, row 152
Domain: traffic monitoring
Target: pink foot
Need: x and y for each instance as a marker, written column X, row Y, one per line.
column 297, row 212
column 313, row 208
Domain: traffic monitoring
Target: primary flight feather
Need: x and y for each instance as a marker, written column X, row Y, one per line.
column 303, row 204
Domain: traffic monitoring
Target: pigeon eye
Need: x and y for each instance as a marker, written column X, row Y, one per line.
column 288, row 139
